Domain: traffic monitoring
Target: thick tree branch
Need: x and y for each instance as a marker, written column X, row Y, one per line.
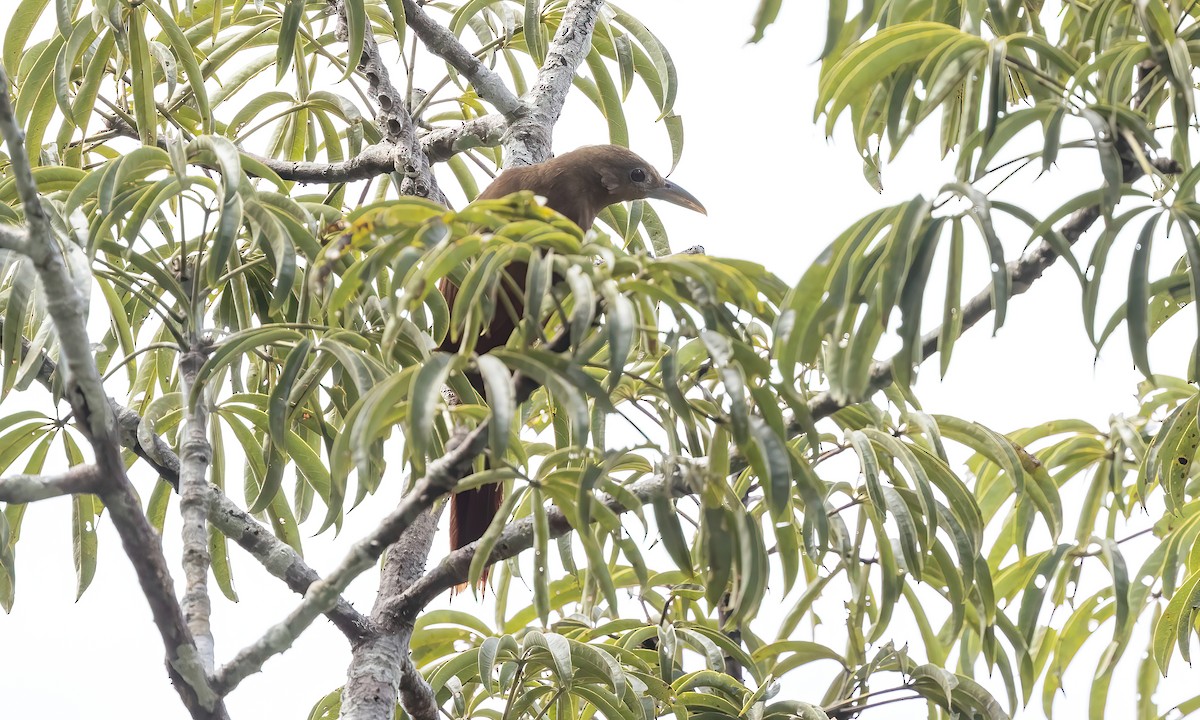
column 393, row 117
column 380, row 672
column 441, row 42
column 528, row 137
column 439, row 145
column 193, row 506
column 373, row 161
column 31, row 488
column 440, row 478
column 85, row 391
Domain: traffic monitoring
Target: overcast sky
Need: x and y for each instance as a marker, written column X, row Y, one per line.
column 777, row 191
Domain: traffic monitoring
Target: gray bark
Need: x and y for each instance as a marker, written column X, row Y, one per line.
column 528, row 139
column 196, row 456
column 31, row 488
column 85, row 392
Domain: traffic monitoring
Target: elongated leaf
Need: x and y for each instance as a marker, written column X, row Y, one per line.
column 424, row 394
column 143, row 78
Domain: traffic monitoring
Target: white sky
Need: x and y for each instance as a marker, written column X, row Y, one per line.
column 776, row 192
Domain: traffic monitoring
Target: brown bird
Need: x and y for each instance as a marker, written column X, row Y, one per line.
column 578, row 184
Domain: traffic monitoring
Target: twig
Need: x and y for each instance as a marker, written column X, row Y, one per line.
column 865, row 696
column 857, row 709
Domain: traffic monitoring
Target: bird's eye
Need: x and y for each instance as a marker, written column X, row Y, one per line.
column 637, row 175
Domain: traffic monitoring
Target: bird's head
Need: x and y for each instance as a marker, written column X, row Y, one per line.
column 626, row 176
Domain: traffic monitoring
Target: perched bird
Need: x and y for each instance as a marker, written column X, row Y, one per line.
column 579, row 185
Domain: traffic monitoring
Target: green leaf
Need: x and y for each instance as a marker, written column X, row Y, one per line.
column 956, row 693
column 289, row 30
column 187, row 58
column 1179, row 615
column 142, row 70
column 952, row 308
column 867, row 65
column 424, row 394
column 766, row 13
column 396, row 8
column 559, row 650
column 1192, row 244
column 657, row 52
column 501, row 398
column 667, row 519
column 278, row 408
column 620, row 320
column 1139, row 294
column 487, row 542
column 85, row 513
column 20, row 26
column 674, row 125
column 541, row 557
column 356, row 28
column 535, row 41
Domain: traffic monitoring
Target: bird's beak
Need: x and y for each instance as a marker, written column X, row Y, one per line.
column 676, row 195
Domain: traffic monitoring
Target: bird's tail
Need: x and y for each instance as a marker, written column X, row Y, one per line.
column 471, row 512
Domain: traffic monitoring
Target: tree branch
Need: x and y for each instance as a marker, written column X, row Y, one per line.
column 31, row 488
column 85, row 391
column 280, row 559
column 393, row 117
column 528, row 137
column 402, row 611
column 441, row 144
column 440, row 478
column 13, row 238
column 193, row 505
column 444, row 44
column 1023, row 272
column 381, row 672
column 372, row 161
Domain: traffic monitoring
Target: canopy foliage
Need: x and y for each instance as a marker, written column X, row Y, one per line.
column 688, row 417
